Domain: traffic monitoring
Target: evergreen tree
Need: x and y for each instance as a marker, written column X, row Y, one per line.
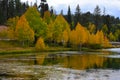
column 77, row 15
column 5, row 9
column 97, row 18
column 11, row 8
column 51, row 10
column 97, row 11
column 18, row 7
column 44, row 7
column 69, row 16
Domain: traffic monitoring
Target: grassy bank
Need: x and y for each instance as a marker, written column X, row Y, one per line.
column 14, row 47
column 7, row 47
column 31, row 50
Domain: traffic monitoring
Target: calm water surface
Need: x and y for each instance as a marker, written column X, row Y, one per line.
column 55, row 66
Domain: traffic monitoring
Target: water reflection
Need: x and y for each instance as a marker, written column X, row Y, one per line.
column 79, row 61
column 75, row 61
column 44, row 66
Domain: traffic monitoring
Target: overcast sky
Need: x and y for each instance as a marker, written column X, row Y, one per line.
column 112, row 6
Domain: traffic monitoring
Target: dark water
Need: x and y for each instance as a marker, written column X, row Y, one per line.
column 37, row 66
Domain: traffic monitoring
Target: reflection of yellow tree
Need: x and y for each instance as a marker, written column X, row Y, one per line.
column 40, row 58
column 84, row 61
column 81, row 62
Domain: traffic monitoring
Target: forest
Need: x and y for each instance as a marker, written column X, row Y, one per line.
column 39, row 26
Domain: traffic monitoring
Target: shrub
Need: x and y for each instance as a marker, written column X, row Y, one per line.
column 95, row 46
column 40, row 45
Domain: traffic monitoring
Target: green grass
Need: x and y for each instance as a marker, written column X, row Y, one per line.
column 10, row 47
column 7, row 47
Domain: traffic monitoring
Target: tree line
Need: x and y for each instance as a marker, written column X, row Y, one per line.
column 102, row 21
column 11, row 8
column 53, row 30
column 38, row 23
column 110, row 25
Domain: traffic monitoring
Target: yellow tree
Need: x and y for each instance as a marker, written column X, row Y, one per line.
column 112, row 37
column 117, row 34
column 73, row 38
column 40, row 45
column 49, row 32
column 23, row 31
column 11, row 34
column 3, row 33
column 79, row 36
column 11, row 23
column 92, row 39
column 106, row 42
column 47, row 17
column 60, row 24
column 91, row 28
column 99, row 38
column 65, row 37
column 81, row 33
column 105, row 29
column 36, row 22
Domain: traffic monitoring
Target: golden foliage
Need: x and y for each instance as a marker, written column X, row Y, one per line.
column 11, row 34
column 106, row 43
column 3, row 34
column 23, row 31
column 73, row 37
column 49, row 32
column 11, row 22
column 40, row 45
column 99, row 37
column 65, row 37
column 59, row 25
column 47, row 17
column 91, row 28
column 36, row 22
column 79, row 35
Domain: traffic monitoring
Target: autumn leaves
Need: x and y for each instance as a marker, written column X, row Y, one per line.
column 30, row 27
column 23, row 31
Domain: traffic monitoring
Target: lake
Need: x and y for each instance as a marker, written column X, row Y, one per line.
column 63, row 65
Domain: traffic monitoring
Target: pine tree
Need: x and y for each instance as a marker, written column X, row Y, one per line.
column 77, row 15
column 43, row 7
column 69, row 16
column 97, row 19
column 11, row 9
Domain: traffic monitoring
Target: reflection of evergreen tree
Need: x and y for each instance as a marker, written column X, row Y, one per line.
column 112, row 63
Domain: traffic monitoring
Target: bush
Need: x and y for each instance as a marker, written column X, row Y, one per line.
column 40, row 45
column 95, row 46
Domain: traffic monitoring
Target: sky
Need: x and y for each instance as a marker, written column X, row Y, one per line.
column 112, row 6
